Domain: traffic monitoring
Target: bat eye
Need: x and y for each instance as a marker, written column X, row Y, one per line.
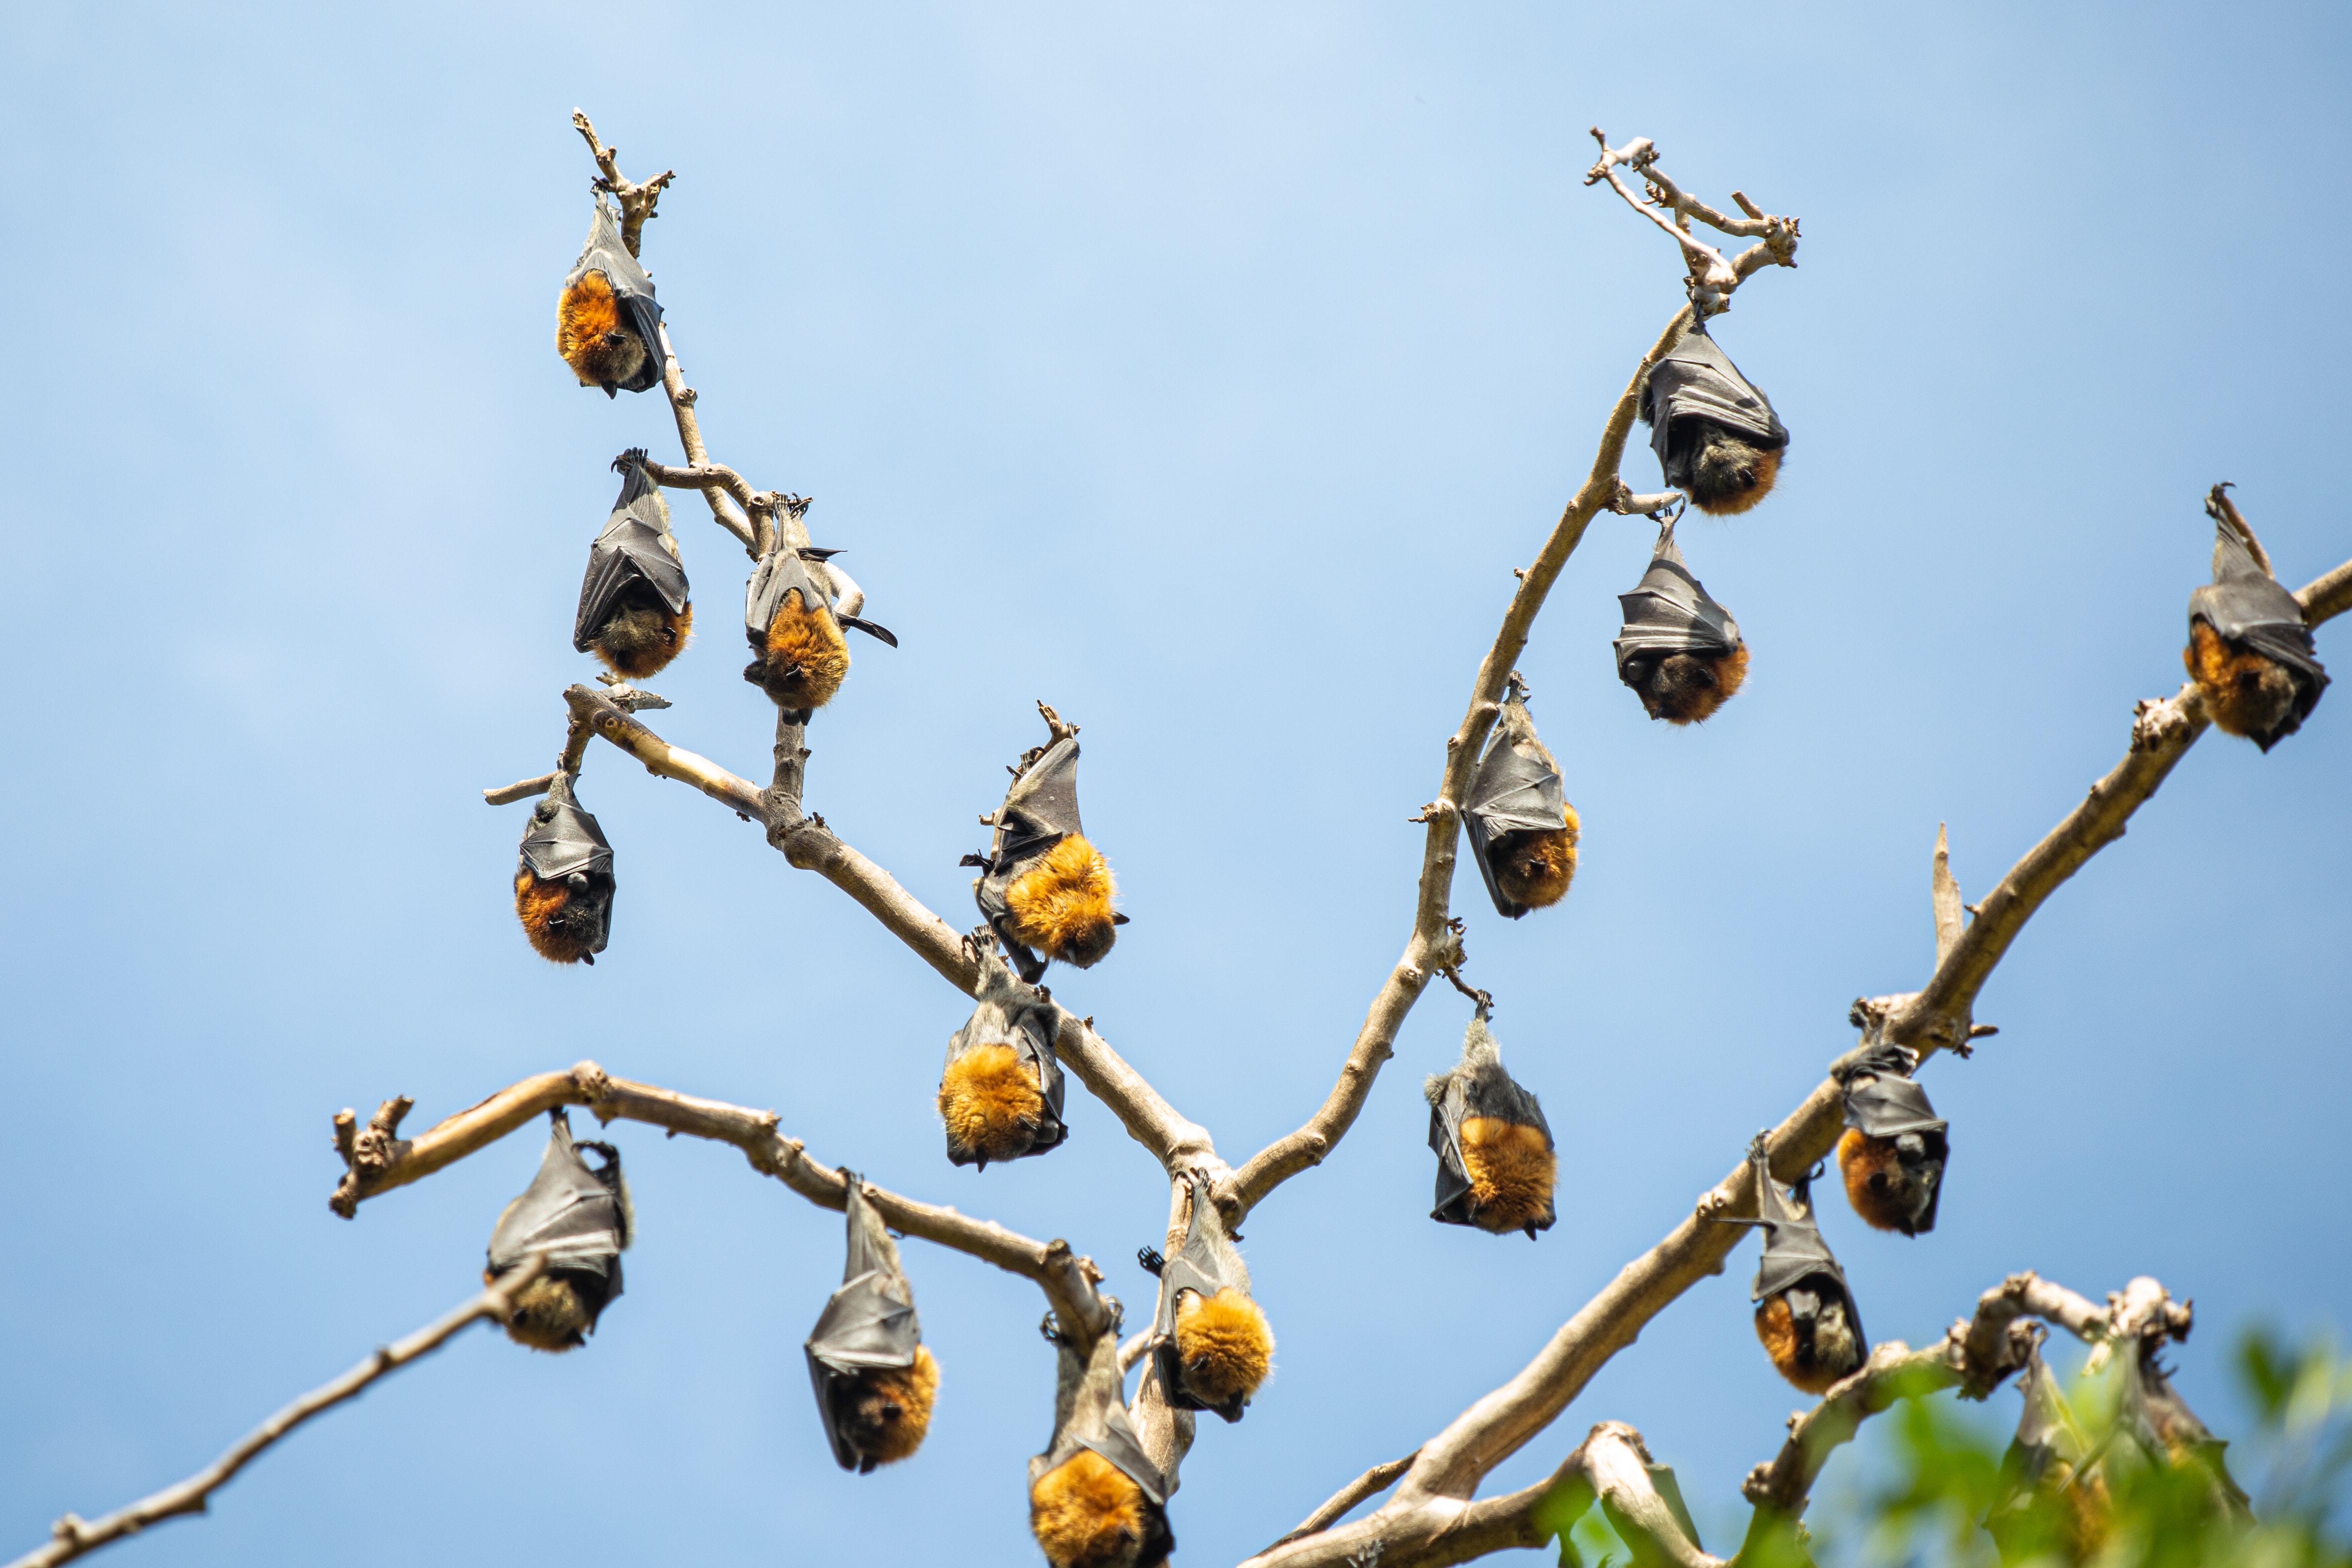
column 577, row 882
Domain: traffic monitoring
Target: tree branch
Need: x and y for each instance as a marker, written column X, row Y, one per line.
column 1937, row 1017
column 72, row 1537
column 378, row 1166
column 638, row 202
column 1712, row 279
column 1432, row 946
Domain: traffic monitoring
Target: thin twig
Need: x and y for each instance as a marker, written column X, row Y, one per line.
column 72, row 1537
column 1373, row 1482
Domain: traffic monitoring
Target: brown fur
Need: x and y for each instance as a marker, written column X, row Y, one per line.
column 990, row 1100
column 1881, row 1192
column 1060, row 906
column 805, row 656
column 1534, row 866
column 1687, row 689
column 1512, row 1172
column 601, row 349
column 884, row 1411
column 1729, row 477
column 640, row 637
column 550, row 1314
column 1086, row 1513
column 1777, row 1330
column 2245, row 693
column 1223, row 1345
column 538, row 905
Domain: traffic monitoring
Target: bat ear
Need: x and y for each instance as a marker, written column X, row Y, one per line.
column 1121, row 920
column 611, row 391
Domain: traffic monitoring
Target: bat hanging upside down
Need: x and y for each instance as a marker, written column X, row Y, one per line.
column 606, row 323
column 1715, row 434
column 2250, row 651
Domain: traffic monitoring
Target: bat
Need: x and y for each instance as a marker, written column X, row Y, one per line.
column 1679, row 650
column 634, row 609
column 563, row 887
column 1713, row 429
column 2249, row 650
column 1805, row 1315
column 793, row 626
column 2044, row 1502
column 1096, row 1499
column 580, row 1217
column 1894, row 1151
column 607, row 327
column 1495, row 1166
column 1522, row 830
column 1210, row 1341
column 1041, row 886
column 1000, row 1090
column 874, row 1381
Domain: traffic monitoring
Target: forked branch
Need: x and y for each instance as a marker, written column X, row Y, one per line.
column 71, row 1537
column 1712, row 279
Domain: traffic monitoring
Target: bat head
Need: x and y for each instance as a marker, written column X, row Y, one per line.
column 1686, row 688
column 1724, row 474
column 1060, row 904
column 1087, row 1513
column 1809, row 1332
column 884, row 1413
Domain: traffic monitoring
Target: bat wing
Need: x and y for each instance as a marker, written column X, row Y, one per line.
column 562, row 838
column 1698, row 380
column 636, row 546
column 1041, row 809
column 2245, row 604
column 1491, row 1093
column 1095, row 1416
column 569, row 1212
column 1888, row 1107
column 606, row 252
column 1669, row 612
column 1008, row 1013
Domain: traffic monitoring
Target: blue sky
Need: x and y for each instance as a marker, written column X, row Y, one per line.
column 1204, row 370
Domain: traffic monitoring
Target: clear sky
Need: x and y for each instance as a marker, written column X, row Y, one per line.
column 1203, row 370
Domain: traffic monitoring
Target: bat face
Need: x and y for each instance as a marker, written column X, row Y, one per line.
column 803, row 657
column 1679, row 650
column 2246, row 693
column 1807, row 1333
column 578, row 1217
column 1715, row 433
column 884, row 1413
column 1686, row 688
column 1723, row 473
column 642, row 635
column 1224, row 1347
column 1497, row 1168
column 607, row 326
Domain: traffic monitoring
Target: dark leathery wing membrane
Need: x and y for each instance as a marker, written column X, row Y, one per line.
column 1886, row 1106
column 635, row 551
column 1508, row 1154
column 1090, row 1417
column 576, row 1215
column 631, row 289
column 2245, row 606
column 1516, row 791
column 1206, row 1265
column 1001, row 1089
column 1691, row 395
column 562, row 847
column 867, row 1325
column 1671, row 622
column 2040, row 1491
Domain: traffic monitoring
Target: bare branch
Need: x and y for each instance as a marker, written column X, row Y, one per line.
column 1712, row 279
column 757, row 535
column 638, row 202
column 1945, row 891
column 1377, row 1479
column 1066, row 1280
column 1936, row 1017
column 1432, row 946
column 1176, row 1142
column 509, row 794
column 71, row 1537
